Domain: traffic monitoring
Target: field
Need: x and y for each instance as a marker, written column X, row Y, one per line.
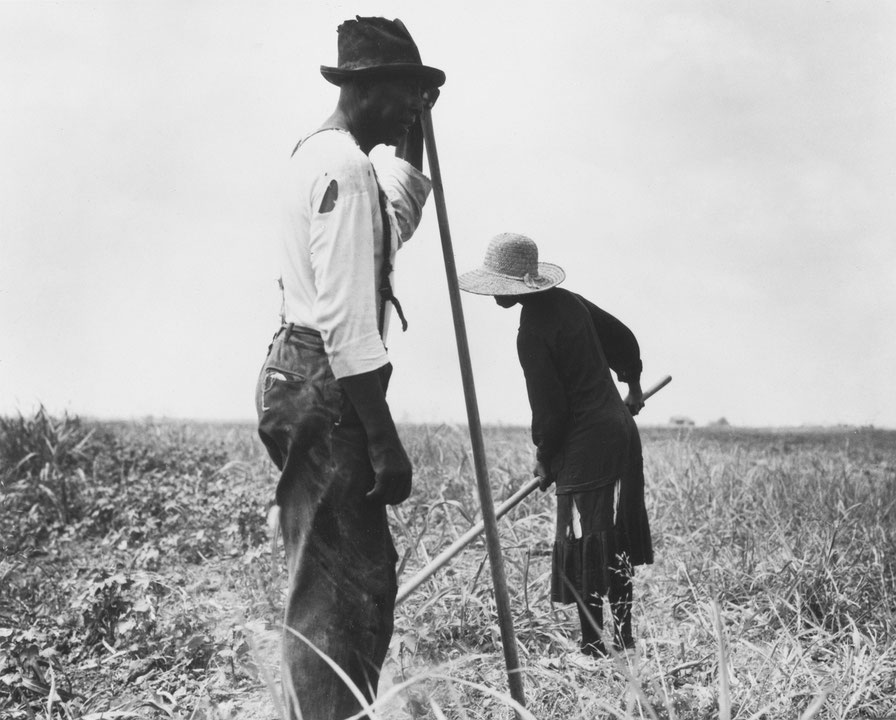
column 137, row 578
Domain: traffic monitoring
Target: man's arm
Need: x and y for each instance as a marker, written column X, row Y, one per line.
column 342, row 252
column 342, row 247
column 391, row 466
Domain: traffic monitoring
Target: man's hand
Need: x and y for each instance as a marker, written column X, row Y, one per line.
column 430, row 96
column 393, row 472
column 410, row 147
column 543, row 474
column 391, row 467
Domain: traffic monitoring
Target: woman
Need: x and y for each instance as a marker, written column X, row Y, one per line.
column 587, row 442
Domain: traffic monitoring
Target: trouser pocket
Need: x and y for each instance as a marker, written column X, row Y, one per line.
column 297, row 398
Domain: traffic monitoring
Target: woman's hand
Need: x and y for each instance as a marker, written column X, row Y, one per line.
column 543, row 474
column 634, row 401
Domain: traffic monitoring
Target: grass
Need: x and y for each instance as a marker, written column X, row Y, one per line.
column 136, row 578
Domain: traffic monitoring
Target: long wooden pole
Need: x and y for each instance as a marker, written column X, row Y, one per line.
column 448, row 553
column 499, row 581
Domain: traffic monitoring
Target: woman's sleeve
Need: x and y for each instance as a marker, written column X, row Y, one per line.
column 547, row 396
column 619, row 344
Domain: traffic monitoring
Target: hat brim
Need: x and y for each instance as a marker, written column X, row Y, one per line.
column 484, row 282
column 430, row 77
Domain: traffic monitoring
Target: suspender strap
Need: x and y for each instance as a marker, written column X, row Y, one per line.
column 385, row 287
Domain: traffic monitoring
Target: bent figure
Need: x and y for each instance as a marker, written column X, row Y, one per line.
column 587, row 443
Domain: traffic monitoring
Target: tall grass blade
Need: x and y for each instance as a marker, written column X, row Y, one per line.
column 724, row 684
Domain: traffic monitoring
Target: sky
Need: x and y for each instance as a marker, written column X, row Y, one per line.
column 721, row 176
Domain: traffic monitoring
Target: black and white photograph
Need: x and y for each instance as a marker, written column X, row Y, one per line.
column 428, row 361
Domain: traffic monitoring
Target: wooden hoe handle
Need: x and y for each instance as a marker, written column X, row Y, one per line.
column 448, row 554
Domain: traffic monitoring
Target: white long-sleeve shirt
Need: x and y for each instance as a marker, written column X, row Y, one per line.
column 331, row 254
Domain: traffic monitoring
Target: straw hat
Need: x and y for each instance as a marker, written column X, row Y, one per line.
column 511, row 267
column 377, row 46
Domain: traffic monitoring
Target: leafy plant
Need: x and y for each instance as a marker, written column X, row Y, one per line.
column 161, row 594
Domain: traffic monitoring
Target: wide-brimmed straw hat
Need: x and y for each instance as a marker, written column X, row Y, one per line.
column 511, row 267
column 369, row 46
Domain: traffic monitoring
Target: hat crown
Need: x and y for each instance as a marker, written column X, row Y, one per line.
column 512, row 255
column 511, row 267
column 369, row 42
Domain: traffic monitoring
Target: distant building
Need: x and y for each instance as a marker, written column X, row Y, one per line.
column 681, row 421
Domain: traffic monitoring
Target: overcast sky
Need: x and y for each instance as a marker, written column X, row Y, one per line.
column 719, row 175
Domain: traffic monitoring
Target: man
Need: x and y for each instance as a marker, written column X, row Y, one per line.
column 586, row 440
column 321, row 395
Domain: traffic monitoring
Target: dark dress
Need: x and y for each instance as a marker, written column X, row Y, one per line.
column 586, row 436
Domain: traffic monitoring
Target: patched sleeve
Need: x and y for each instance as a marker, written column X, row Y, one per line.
column 342, row 260
column 406, row 190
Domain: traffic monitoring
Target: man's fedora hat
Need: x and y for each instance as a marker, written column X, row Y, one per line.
column 511, row 267
column 376, row 46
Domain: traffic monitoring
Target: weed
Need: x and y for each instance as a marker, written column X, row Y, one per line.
column 136, row 578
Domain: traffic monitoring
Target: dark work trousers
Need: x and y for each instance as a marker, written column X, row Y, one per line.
column 339, row 551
